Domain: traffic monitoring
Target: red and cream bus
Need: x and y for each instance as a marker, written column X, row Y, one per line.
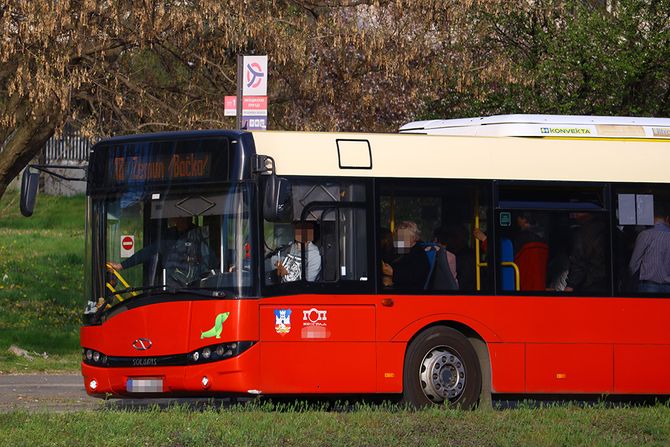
column 497, row 258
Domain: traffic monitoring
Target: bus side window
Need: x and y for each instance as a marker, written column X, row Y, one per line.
column 552, row 238
column 426, row 236
column 641, row 239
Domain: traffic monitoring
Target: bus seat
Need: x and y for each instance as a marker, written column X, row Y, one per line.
column 532, row 262
column 507, row 276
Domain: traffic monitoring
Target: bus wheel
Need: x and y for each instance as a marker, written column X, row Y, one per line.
column 441, row 367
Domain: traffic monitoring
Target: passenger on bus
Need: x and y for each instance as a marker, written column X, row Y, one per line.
column 588, row 268
column 457, row 241
column 530, row 252
column 183, row 252
column 288, row 262
column 651, row 254
column 387, row 253
column 411, row 270
column 445, row 271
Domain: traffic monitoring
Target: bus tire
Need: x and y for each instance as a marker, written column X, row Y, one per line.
column 456, row 378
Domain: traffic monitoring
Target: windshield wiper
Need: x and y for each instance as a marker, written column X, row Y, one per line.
column 96, row 312
column 169, row 290
column 131, row 290
column 204, row 292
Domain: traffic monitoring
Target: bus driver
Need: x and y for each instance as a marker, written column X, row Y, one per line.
column 184, row 253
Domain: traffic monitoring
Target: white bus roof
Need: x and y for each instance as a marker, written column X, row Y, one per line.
column 570, row 126
column 466, row 157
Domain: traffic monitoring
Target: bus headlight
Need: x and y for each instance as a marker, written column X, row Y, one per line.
column 221, row 351
column 95, row 358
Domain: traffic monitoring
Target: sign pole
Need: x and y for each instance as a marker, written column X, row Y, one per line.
column 240, row 82
column 252, row 89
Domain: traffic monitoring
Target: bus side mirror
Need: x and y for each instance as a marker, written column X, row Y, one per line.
column 277, row 203
column 29, row 183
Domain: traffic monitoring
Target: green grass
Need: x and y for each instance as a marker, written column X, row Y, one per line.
column 296, row 425
column 41, row 282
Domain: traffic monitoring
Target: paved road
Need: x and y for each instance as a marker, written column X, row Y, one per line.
column 65, row 392
column 44, row 392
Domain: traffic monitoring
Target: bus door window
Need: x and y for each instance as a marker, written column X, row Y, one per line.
column 552, row 239
column 641, row 238
column 327, row 228
column 125, row 236
column 425, row 237
column 343, row 244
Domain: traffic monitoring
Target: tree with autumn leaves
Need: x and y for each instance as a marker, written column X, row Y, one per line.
column 113, row 67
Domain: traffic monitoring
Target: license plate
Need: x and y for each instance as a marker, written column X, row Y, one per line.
column 144, row 385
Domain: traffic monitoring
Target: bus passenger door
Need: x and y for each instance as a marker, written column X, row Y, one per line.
column 315, row 344
column 321, row 338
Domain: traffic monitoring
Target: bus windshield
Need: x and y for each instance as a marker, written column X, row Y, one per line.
column 151, row 243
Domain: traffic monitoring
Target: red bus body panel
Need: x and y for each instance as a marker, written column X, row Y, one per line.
column 354, row 344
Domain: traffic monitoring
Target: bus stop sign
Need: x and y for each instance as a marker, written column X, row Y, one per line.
column 255, row 76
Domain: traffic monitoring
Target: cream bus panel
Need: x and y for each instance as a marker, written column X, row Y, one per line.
column 434, row 156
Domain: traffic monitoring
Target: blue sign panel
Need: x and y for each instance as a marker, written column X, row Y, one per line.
column 254, row 122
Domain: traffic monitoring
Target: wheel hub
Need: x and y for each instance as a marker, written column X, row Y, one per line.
column 442, row 375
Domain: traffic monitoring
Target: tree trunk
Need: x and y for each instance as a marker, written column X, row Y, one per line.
column 33, row 128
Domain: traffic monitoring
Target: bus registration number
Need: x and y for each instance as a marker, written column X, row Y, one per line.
column 144, row 385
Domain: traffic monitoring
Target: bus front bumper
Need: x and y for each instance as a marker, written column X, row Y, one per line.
column 234, row 376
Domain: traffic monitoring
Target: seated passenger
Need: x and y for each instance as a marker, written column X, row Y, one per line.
column 444, row 274
column 288, row 262
column 411, row 270
column 387, row 253
column 457, row 241
column 530, row 253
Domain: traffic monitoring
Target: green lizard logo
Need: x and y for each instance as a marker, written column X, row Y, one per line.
column 218, row 327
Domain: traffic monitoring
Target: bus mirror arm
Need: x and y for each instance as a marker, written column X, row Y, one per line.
column 277, row 202
column 30, row 181
column 263, row 165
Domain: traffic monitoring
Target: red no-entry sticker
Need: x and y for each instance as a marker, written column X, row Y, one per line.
column 127, row 246
column 127, row 243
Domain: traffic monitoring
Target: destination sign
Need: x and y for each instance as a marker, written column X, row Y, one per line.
column 173, row 167
column 149, row 164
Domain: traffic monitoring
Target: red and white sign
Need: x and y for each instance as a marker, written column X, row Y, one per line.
column 127, row 245
column 251, row 106
column 255, row 106
column 230, row 106
column 315, row 323
column 255, row 76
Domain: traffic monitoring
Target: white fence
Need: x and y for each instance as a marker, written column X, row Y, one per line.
column 70, row 146
column 69, row 149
